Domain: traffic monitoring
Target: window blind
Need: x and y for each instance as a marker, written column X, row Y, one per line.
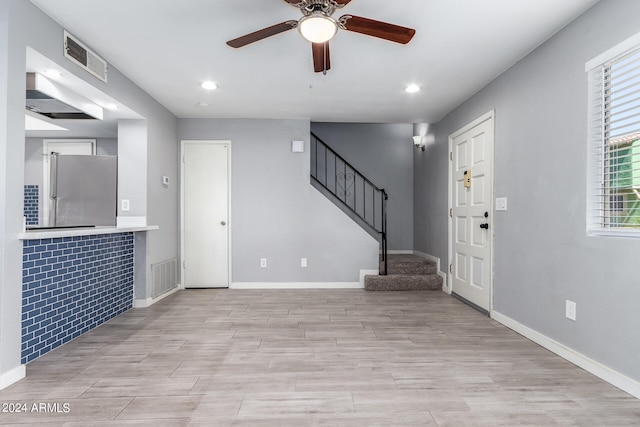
column 614, row 132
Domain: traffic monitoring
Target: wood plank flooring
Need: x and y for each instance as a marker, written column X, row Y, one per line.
column 319, row 357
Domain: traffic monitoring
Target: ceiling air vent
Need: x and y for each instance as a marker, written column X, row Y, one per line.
column 84, row 57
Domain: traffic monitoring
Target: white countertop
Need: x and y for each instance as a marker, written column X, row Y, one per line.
column 88, row 231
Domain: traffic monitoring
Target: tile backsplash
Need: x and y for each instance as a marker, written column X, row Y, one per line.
column 31, row 204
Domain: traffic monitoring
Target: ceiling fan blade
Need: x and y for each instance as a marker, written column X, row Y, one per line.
column 262, row 34
column 382, row 30
column 321, row 59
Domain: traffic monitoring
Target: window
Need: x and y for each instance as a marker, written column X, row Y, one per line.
column 614, row 139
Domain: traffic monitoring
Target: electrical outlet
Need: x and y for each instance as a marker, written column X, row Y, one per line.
column 570, row 310
column 125, row 205
column 303, row 262
column 263, row 262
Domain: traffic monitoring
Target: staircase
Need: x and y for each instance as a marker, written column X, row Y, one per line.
column 405, row 273
column 351, row 191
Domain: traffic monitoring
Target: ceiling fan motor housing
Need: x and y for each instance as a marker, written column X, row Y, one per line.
column 327, row 7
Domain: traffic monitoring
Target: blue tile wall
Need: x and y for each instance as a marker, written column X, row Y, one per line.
column 31, row 204
column 71, row 285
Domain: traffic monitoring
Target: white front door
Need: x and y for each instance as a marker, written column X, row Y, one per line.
column 471, row 183
column 205, row 214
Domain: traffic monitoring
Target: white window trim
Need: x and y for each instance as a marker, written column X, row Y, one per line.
column 594, row 228
column 619, row 49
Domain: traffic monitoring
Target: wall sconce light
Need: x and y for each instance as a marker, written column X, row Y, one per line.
column 421, row 131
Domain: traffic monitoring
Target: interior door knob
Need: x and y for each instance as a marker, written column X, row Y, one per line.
column 223, row 222
column 485, row 226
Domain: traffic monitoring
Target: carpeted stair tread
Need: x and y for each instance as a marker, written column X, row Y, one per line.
column 403, row 282
column 409, row 265
column 405, row 273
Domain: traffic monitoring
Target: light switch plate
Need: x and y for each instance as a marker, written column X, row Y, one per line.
column 570, row 310
column 501, row 203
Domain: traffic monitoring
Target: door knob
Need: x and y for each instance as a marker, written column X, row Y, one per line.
column 485, row 226
column 223, row 222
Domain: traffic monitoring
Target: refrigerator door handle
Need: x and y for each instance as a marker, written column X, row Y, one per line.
column 53, row 188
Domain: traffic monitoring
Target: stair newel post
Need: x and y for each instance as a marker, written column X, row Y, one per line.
column 385, row 197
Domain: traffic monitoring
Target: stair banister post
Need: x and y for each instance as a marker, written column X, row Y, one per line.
column 385, row 197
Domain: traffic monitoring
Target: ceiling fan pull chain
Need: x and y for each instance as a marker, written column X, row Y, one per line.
column 324, row 62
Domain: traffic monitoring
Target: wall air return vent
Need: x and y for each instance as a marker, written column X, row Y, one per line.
column 77, row 52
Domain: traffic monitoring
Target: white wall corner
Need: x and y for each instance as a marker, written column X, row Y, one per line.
column 445, row 284
column 624, row 383
column 13, row 376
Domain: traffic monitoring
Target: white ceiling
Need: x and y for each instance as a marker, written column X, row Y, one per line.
column 169, row 47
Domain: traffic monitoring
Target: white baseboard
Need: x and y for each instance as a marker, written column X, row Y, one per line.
column 601, row 371
column 400, row 252
column 296, row 285
column 445, row 286
column 143, row 303
column 13, row 376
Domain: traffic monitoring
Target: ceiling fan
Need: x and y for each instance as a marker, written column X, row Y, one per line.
column 318, row 26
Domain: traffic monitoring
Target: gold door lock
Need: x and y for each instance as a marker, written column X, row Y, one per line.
column 467, row 179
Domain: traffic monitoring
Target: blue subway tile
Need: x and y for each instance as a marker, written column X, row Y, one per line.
column 82, row 288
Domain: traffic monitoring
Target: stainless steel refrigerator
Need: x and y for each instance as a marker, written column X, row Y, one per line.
column 82, row 190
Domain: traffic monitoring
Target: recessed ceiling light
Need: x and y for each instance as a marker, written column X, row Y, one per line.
column 412, row 88
column 209, row 85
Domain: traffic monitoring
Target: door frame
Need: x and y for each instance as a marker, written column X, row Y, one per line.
column 449, row 285
column 229, row 218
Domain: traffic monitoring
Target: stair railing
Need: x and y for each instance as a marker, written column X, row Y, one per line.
column 352, row 189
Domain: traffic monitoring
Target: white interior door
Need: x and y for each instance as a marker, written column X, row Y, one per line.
column 60, row 146
column 472, row 210
column 205, row 205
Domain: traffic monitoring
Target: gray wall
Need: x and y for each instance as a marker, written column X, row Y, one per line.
column 383, row 153
column 542, row 253
column 25, row 25
column 132, row 167
column 276, row 213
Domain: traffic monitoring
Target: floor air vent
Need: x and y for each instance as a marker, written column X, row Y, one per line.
column 164, row 277
column 77, row 52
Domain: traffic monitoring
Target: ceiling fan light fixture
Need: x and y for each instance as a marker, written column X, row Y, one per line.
column 317, row 27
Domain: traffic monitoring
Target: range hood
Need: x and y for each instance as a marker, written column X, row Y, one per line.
column 52, row 100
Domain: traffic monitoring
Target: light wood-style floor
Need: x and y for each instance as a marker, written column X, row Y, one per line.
column 320, row 357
